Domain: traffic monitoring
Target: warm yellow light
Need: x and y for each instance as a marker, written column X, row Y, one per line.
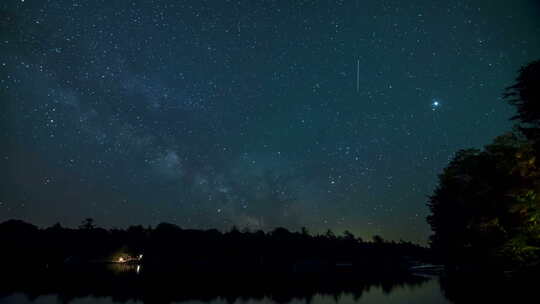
column 121, row 260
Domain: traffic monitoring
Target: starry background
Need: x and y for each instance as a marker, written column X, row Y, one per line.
column 208, row 114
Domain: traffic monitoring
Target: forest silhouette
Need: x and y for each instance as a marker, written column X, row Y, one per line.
column 169, row 248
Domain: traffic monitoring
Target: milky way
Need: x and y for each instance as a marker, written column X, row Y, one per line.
column 208, row 114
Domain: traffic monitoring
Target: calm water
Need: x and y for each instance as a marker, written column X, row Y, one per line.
column 428, row 291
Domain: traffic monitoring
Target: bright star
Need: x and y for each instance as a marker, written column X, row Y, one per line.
column 435, row 104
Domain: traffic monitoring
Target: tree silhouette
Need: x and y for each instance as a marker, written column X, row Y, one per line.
column 377, row 239
column 525, row 96
column 348, row 236
column 87, row 224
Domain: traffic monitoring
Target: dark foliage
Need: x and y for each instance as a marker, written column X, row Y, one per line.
column 525, row 95
column 485, row 209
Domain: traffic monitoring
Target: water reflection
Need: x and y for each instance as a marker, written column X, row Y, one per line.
column 132, row 283
column 488, row 288
column 428, row 292
column 125, row 284
column 122, row 268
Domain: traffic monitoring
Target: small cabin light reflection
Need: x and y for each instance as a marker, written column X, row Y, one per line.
column 138, row 269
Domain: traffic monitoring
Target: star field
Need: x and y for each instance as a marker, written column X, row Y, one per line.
column 209, row 114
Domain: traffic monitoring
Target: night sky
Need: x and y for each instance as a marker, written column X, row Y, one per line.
column 208, row 114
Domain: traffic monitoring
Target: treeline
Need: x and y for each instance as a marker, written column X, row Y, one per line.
column 168, row 247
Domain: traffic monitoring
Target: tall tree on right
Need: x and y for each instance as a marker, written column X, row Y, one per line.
column 486, row 207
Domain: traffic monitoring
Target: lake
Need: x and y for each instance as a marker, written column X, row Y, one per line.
column 426, row 291
column 133, row 284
